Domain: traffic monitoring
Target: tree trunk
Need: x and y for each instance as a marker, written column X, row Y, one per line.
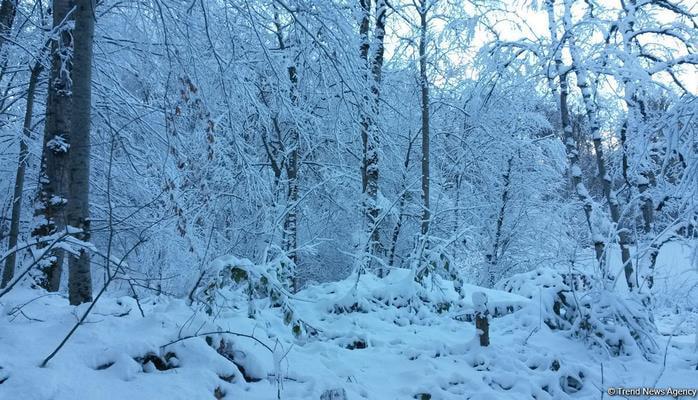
column 401, row 206
column 79, row 278
column 9, row 271
column 646, row 178
column 51, row 197
column 575, row 171
column 290, row 242
column 424, row 84
column 363, row 53
column 482, row 323
column 624, row 239
column 493, row 257
column 8, row 10
column 291, row 222
column 571, row 147
column 369, row 131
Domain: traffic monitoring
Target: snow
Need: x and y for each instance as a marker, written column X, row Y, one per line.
column 377, row 339
column 58, row 144
column 676, row 275
column 576, row 171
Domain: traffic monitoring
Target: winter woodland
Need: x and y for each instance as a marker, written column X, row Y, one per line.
column 348, row 199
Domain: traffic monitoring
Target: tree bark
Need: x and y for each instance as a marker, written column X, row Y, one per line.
column 493, row 257
column 571, row 146
column 290, row 242
column 78, row 208
column 424, row 85
column 369, row 131
column 9, row 271
column 401, row 206
column 363, row 53
column 646, row 178
column 50, row 208
column 624, row 238
column 482, row 323
column 8, row 9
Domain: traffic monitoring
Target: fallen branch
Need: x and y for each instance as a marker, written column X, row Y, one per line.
column 219, row 333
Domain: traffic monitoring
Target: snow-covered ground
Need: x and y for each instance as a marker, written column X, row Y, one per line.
column 376, row 339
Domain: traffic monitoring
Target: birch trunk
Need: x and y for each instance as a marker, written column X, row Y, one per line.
column 646, row 178
column 364, row 47
column 369, row 131
column 571, row 147
column 290, row 242
column 624, row 239
column 78, row 208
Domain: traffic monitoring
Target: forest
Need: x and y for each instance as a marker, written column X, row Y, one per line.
column 348, row 199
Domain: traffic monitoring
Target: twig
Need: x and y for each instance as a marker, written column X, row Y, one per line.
column 135, row 296
column 20, row 276
column 219, row 333
column 87, row 312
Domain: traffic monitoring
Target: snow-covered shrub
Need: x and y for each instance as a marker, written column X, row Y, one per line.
column 439, row 261
column 574, row 303
column 231, row 282
column 400, row 290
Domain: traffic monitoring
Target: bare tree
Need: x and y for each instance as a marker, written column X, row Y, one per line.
column 614, row 206
column 9, row 270
column 571, row 144
column 492, row 256
column 51, row 197
column 290, row 243
column 8, row 9
column 369, row 130
column 423, row 10
column 79, row 278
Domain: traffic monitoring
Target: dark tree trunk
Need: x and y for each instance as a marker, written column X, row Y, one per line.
column 8, row 9
column 9, row 271
column 51, row 202
column 79, row 277
column 364, row 47
column 363, row 53
column 493, row 257
column 424, row 84
column 401, row 206
column 631, row 125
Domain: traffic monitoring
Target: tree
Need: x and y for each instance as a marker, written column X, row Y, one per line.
column 51, row 198
column 571, row 145
column 78, row 212
column 629, row 62
column 9, row 270
column 8, row 8
column 423, row 10
column 369, row 129
column 606, row 180
column 290, row 230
